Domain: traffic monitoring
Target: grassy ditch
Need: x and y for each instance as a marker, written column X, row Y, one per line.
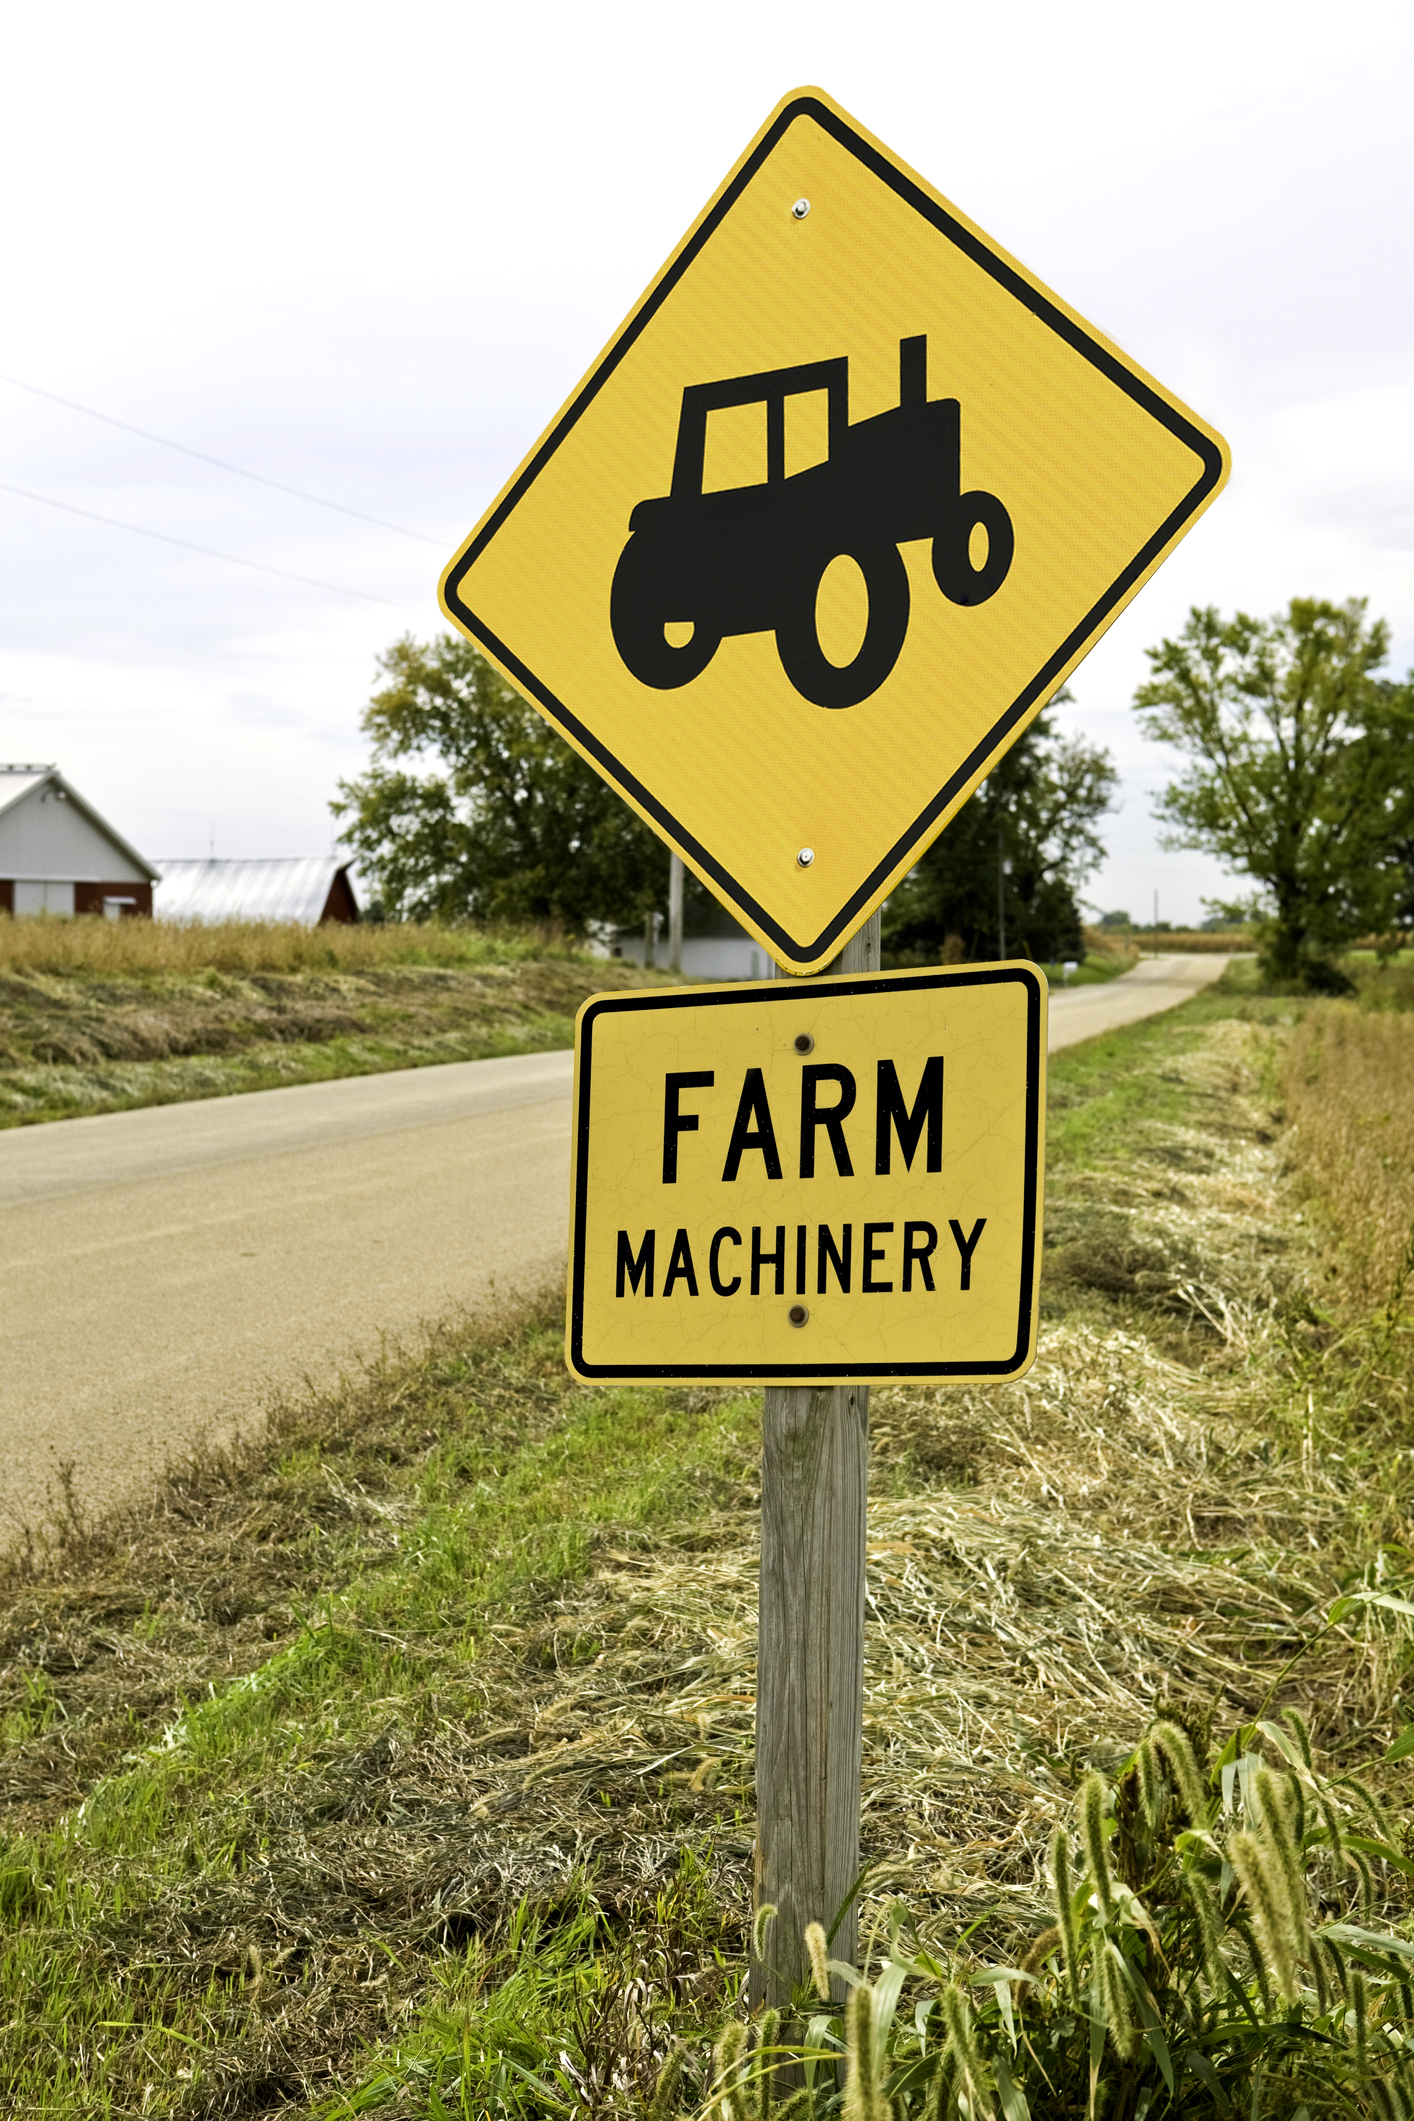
column 410, row 1752
column 100, row 1016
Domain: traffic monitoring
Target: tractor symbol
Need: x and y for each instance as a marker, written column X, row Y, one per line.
column 750, row 559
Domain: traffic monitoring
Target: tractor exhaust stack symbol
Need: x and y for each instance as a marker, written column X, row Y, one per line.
column 750, row 559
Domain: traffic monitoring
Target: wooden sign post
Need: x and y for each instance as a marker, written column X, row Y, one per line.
column 810, row 1652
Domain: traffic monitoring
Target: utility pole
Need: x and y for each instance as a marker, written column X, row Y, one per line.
column 675, row 911
column 1001, row 889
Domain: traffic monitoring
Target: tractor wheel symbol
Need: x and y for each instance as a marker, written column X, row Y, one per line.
column 751, row 559
column 644, row 616
column 804, row 661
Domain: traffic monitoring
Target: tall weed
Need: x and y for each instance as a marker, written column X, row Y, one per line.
column 1347, row 1089
column 117, row 949
column 1219, row 1947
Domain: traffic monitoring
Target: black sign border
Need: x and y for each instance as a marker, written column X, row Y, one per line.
column 837, row 929
column 787, row 993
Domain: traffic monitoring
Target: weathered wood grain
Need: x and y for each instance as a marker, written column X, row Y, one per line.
column 810, row 1656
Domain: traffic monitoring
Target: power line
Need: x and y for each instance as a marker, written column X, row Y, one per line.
column 208, row 551
column 146, row 435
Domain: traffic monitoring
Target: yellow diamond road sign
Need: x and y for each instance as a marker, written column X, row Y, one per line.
column 809, row 1181
column 841, row 505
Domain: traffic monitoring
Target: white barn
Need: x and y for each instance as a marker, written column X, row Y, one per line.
column 305, row 888
column 57, row 855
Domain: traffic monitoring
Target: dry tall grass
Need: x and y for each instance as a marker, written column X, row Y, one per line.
column 114, row 949
column 1347, row 1083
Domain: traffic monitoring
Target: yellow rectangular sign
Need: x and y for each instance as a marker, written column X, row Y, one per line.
column 805, row 1181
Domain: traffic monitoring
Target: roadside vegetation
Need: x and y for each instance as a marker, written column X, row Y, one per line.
column 1296, row 775
column 101, row 1016
column 399, row 1762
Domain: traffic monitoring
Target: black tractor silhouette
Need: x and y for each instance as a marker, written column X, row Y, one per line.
column 750, row 559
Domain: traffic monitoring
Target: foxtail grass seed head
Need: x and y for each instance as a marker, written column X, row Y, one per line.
column 817, row 1947
column 962, row 2045
column 665, row 2091
column 1280, row 1855
column 1177, row 1750
column 1065, row 1913
column 1360, row 2015
column 1151, row 1789
column 1041, row 1950
column 940, row 2090
column 1300, row 1730
column 861, row 2091
column 1094, row 1808
column 1266, row 1901
column 1119, row 2017
column 768, row 2037
column 727, row 2060
column 1386, row 2098
column 1239, row 1924
column 1355, row 1786
column 1209, row 1921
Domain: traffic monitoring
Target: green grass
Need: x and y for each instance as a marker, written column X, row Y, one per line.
column 387, row 1632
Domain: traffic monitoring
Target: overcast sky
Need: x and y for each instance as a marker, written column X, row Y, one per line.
column 366, row 253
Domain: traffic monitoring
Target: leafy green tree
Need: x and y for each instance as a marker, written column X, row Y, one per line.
column 1002, row 879
column 1299, row 770
column 474, row 807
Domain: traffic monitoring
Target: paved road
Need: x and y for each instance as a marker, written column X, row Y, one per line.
column 165, row 1271
column 1154, row 984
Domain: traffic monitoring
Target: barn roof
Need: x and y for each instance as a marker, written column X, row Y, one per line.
column 16, row 782
column 292, row 888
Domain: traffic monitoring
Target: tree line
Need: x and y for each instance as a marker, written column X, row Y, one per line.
column 1298, row 774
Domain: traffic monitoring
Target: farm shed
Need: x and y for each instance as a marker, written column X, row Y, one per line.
column 57, row 855
column 714, row 945
column 305, row 888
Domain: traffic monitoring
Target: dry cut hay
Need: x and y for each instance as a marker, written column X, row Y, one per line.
column 1133, row 1543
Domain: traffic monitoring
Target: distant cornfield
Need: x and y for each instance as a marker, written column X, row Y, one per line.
column 117, row 948
column 1348, row 1083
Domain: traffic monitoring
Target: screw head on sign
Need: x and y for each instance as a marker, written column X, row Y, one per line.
column 800, row 209
column 797, row 1314
column 805, row 857
column 804, row 1043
